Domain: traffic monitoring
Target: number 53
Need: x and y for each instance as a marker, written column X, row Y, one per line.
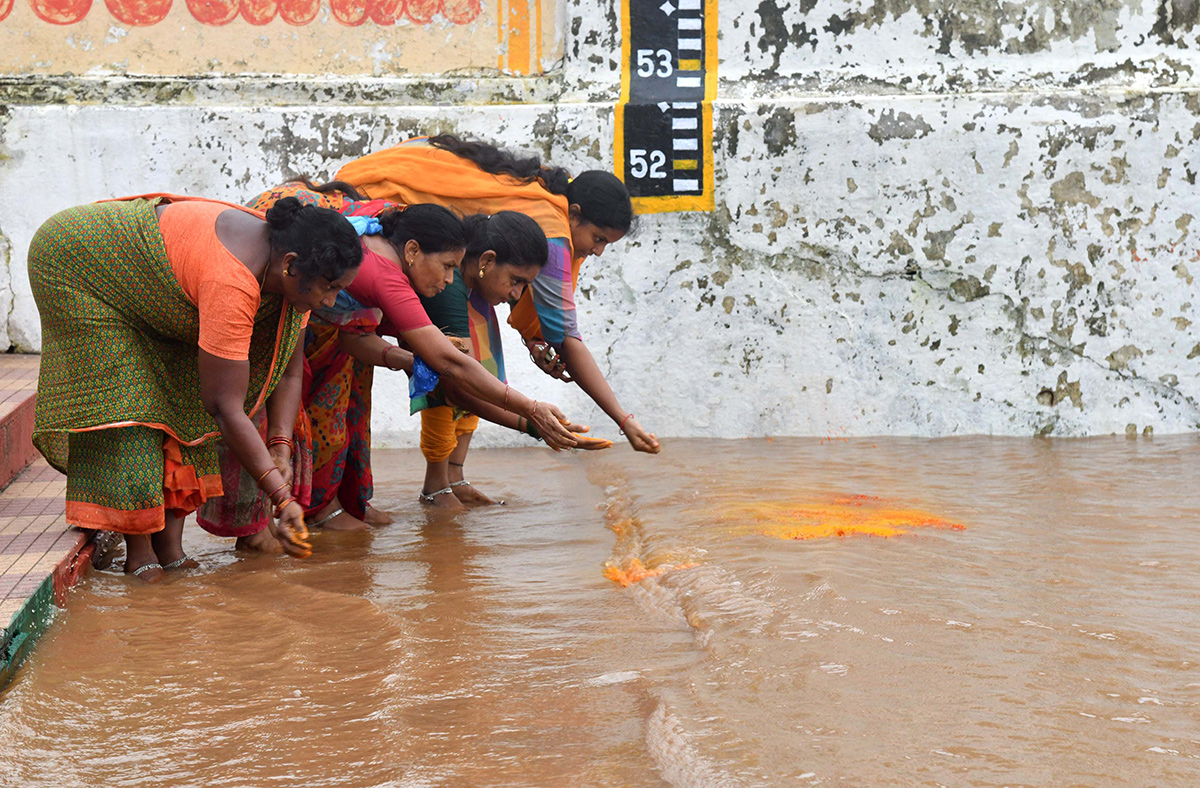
column 646, row 65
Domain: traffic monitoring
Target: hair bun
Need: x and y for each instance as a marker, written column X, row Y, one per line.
column 284, row 212
column 555, row 179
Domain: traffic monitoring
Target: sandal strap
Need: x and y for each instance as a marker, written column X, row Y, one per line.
column 178, row 562
column 326, row 518
column 145, row 567
column 459, row 483
column 428, row 497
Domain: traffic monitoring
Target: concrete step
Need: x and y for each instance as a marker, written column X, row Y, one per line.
column 18, row 392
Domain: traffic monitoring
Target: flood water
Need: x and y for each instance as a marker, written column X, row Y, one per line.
column 1031, row 622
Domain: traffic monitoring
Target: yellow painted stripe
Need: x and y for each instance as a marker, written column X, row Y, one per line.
column 686, row 164
column 710, row 69
column 619, row 147
column 517, row 29
column 537, row 66
column 690, row 65
column 500, row 34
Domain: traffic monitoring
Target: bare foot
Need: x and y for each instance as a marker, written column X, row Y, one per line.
column 261, row 542
column 342, row 521
column 345, row 522
column 168, row 545
column 140, row 559
column 442, row 499
column 466, row 493
column 376, row 517
column 148, row 573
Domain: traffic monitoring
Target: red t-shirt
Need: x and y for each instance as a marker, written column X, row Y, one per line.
column 381, row 284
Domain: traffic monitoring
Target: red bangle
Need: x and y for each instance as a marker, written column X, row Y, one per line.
column 267, row 472
column 383, row 357
column 271, row 494
column 286, row 501
column 506, row 396
column 281, row 440
column 621, row 426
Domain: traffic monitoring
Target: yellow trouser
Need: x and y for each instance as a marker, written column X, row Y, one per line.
column 440, row 432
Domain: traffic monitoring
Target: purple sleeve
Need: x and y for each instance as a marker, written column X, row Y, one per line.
column 554, row 297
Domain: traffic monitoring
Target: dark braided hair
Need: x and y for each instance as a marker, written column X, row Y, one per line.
column 434, row 228
column 330, row 188
column 602, row 199
column 514, row 237
column 325, row 244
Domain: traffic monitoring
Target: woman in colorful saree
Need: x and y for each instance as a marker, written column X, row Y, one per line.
column 580, row 217
column 504, row 254
column 407, row 252
column 166, row 321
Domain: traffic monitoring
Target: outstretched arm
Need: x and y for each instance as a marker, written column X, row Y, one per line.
column 553, row 297
column 484, row 410
column 375, row 350
column 464, row 372
column 583, row 370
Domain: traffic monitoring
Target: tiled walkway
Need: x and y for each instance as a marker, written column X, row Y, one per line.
column 40, row 555
column 34, row 536
column 18, row 379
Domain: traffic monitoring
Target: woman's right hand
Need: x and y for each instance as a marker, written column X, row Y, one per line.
column 551, row 425
column 547, row 360
column 292, row 532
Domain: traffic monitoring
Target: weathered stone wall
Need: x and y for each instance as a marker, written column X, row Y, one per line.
column 932, row 217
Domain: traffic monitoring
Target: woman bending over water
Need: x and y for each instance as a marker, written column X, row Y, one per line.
column 166, row 321
column 580, row 218
column 504, row 254
column 408, row 252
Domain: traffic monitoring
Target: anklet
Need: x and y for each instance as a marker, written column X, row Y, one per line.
column 326, row 518
column 425, row 497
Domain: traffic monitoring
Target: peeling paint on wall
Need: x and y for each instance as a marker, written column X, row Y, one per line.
column 932, row 217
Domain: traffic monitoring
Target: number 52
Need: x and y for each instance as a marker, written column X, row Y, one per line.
column 639, row 167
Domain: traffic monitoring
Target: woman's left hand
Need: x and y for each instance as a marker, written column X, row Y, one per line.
column 639, row 439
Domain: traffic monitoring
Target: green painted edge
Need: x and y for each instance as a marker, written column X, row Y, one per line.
column 27, row 625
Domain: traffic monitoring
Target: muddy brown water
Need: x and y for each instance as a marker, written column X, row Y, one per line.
column 1052, row 640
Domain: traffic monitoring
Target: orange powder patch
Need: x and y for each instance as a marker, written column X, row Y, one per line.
column 839, row 517
column 634, row 572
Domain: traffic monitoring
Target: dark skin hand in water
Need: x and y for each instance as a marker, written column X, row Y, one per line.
column 224, row 382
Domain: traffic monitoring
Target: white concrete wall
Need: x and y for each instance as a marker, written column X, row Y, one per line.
column 934, row 218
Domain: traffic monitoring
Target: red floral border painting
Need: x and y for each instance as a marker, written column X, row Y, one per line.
column 143, row 13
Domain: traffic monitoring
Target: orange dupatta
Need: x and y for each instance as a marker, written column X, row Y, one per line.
column 416, row 172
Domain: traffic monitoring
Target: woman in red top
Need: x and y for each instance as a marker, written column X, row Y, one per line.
column 407, row 252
